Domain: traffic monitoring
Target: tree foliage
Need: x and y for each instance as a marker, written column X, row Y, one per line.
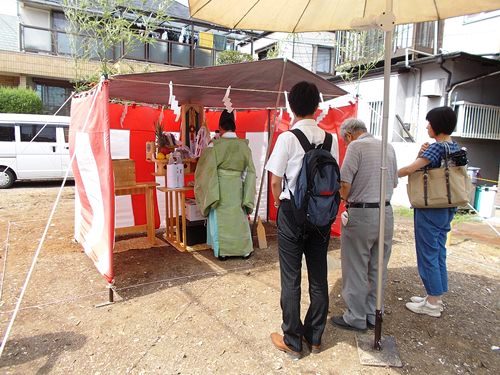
column 274, row 52
column 233, row 57
column 14, row 100
column 105, row 30
column 360, row 51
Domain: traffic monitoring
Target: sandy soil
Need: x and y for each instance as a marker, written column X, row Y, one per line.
column 188, row 313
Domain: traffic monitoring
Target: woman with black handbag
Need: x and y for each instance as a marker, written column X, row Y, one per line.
column 432, row 225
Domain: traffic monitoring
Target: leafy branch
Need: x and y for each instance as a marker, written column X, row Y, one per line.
column 99, row 29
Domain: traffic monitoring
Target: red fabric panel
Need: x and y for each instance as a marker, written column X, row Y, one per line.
column 246, row 120
column 140, row 121
column 330, row 123
column 281, row 127
column 144, row 171
column 141, row 118
column 94, row 183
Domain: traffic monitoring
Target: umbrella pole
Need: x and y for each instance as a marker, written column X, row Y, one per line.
column 373, row 355
column 388, row 31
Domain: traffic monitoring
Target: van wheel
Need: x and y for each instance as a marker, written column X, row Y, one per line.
column 7, row 178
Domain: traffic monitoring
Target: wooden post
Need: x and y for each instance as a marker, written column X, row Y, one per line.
column 261, row 235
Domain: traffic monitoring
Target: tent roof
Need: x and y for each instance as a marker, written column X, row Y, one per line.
column 253, row 85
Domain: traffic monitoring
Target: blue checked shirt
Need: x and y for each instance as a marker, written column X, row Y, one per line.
column 436, row 152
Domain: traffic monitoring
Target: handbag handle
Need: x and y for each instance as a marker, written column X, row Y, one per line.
column 446, row 174
column 447, row 171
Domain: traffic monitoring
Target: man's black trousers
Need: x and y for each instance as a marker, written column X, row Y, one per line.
column 292, row 243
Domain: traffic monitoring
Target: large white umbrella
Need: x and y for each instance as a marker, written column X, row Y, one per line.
column 296, row 16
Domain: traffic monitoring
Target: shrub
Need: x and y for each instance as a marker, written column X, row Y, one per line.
column 13, row 100
column 233, row 57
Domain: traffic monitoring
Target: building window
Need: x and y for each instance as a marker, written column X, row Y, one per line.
column 53, row 97
column 7, row 133
column 324, row 60
column 28, row 132
column 376, row 117
column 403, row 36
column 424, row 35
column 356, row 48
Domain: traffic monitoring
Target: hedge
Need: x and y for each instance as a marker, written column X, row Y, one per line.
column 14, row 100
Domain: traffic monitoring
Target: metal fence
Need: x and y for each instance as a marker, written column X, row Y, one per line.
column 56, row 42
column 477, row 121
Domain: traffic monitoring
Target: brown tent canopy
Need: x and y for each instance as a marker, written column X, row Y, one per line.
column 253, row 84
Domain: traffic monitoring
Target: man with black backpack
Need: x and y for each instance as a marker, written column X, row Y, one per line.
column 305, row 182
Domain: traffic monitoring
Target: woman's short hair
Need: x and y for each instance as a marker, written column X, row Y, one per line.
column 304, row 98
column 442, row 119
column 352, row 125
column 226, row 121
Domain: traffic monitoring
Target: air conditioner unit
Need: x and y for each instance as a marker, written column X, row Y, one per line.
column 433, row 87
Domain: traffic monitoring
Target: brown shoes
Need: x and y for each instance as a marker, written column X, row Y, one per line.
column 314, row 349
column 278, row 342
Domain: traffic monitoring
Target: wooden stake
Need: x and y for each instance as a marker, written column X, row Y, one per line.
column 261, row 234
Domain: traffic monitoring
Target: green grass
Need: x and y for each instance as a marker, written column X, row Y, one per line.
column 465, row 217
column 460, row 217
column 400, row 211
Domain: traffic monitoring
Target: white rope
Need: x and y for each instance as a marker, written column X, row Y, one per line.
column 172, row 279
column 5, row 253
column 44, row 235
column 208, row 87
column 483, row 220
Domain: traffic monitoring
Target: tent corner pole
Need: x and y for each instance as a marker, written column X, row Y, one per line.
column 111, row 292
column 271, row 127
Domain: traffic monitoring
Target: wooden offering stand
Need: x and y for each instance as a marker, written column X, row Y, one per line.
column 125, row 184
column 176, row 223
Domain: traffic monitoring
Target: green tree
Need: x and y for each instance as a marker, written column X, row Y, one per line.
column 14, row 100
column 274, row 52
column 99, row 27
column 233, row 57
column 360, row 51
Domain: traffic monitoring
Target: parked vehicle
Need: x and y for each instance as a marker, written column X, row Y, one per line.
column 26, row 157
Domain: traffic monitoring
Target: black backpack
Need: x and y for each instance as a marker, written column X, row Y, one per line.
column 317, row 197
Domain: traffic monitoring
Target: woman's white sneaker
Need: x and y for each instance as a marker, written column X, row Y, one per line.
column 418, row 299
column 425, row 308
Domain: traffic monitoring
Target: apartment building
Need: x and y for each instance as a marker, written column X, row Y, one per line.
column 35, row 48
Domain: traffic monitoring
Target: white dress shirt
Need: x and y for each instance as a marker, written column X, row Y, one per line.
column 286, row 158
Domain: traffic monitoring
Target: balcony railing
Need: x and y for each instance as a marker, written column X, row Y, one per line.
column 168, row 52
column 361, row 48
column 478, row 121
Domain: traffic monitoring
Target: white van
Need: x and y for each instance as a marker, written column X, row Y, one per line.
column 45, row 158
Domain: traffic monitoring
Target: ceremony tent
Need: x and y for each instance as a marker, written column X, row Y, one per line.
column 116, row 119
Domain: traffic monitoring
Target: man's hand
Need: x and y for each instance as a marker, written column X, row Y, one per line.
column 276, row 189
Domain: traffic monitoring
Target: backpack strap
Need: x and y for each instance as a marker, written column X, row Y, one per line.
column 304, row 142
column 327, row 143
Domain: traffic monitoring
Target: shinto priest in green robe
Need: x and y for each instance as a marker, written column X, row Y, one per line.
column 225, row 192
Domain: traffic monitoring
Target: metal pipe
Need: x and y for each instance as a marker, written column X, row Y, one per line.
column 111, row 296
column 466, row 82
column 436, row 30
column 441, row 63
column 377, row 344
column 407, row 60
